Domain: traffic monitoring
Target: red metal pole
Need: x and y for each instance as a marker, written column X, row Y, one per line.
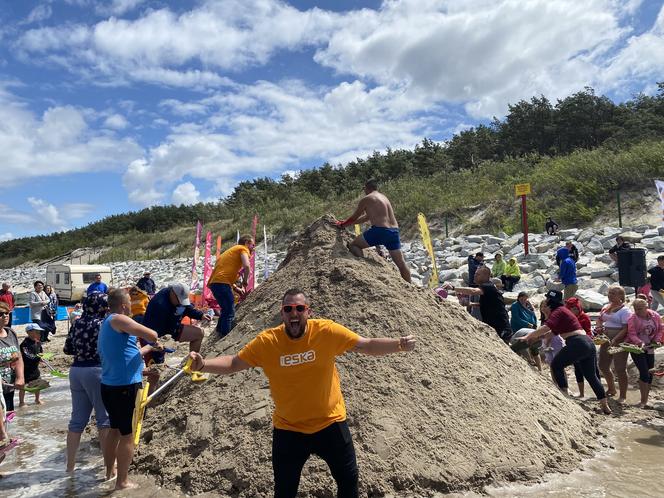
column 524, row 217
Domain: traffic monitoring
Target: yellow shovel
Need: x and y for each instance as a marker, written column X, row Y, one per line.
column 142, row 398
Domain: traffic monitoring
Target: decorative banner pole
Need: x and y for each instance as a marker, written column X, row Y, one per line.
column 660, row 190
column 523, row 189
column 194, row 274
column 266, row 271
column 252, row 277
column 207, row 267
column 426, row 240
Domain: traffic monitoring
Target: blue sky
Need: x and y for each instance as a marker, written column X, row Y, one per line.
column 110, row 106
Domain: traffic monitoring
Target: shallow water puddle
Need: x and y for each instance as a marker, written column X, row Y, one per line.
column 36, row 467
column 633, row 468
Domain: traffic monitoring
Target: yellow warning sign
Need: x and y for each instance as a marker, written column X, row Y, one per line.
column 522, row 188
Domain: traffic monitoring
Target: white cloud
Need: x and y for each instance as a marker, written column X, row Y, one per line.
column 6, row 236
column 116, row 121
column 58, row 142
column 265, row 128
column 47, row 213
column 221, row 34
column 117, row 7
column 185, row 193
column 75, row 210
column 642, row 59
column 39, row 13
column 478, row 52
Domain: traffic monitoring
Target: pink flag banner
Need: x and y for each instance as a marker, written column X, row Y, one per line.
column 266, row 272
column 207, row 267
column 194, row 273
column 218, row 247
column 252, row 277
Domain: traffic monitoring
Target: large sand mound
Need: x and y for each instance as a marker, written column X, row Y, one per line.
column 459, row 412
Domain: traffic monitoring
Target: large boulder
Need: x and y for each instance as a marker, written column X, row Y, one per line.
column 569, row 233
column 632, row 237
column 592, row 301
column 594, row 246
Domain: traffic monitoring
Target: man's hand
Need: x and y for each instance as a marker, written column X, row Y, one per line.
column 206, row 318
column 407, row 343
column 196, row 361
column 157, row 346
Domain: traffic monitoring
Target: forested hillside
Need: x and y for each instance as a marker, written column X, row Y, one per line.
column 576, row 153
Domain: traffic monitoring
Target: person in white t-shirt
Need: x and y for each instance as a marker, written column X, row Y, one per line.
column 612, row 322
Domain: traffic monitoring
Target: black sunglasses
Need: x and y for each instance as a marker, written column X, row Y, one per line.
column 4, row 313
column 298, row 307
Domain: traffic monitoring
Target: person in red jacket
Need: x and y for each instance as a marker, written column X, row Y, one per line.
column 574, row 305
column 7, row 296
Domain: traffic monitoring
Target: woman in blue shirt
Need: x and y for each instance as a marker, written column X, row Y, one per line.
column 522, row 313
column 122, row 376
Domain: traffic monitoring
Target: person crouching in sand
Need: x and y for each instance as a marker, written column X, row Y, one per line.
column 579, row 348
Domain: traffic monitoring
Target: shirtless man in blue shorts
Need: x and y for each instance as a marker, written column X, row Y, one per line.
column 375, row 208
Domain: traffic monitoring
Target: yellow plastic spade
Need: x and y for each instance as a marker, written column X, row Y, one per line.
column 139, row 411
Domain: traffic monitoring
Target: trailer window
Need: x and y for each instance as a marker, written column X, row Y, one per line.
column 66, row 278
column 57, row 278
column 89, row 277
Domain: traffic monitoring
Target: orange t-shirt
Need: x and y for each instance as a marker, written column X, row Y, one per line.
column 304, row 381
column 228, row 265
column 139, row 303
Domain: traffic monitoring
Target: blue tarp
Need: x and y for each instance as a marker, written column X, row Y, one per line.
column 21, row 314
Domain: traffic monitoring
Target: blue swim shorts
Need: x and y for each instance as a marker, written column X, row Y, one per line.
column 381, row 236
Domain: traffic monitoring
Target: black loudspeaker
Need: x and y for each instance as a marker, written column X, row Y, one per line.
column 632, row 267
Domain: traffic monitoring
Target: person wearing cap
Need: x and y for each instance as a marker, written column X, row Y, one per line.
column 7, row 296
column 11, row 362
column 31, row 348
column 145, row 283
column 224, row 276
column 579, row 348
column 97, row 286
column 298, row 358
column 165, row 312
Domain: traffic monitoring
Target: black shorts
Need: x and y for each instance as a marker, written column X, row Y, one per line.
column 119, row 402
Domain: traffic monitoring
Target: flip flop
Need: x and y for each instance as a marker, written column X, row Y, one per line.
column 10, row 417
column 13, row 443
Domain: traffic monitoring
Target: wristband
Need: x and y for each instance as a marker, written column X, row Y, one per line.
column 399, row 347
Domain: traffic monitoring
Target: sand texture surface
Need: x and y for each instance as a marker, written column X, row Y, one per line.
column 459, row 412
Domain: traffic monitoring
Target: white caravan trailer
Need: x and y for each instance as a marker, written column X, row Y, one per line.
column 71, row 281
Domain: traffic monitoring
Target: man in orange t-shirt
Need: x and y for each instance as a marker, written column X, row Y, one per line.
column 298, row 358
column 224, row 276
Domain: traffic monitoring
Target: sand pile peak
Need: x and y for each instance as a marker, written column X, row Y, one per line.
column 459, row 412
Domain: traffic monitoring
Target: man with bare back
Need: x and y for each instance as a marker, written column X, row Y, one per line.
column 375, row 208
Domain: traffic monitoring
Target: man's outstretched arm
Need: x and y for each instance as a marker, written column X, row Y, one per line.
column 223, row 365
column 353, row 217
column 384, row 345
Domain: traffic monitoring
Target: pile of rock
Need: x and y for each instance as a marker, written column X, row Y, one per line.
column 539, row 272
column 127, row 273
